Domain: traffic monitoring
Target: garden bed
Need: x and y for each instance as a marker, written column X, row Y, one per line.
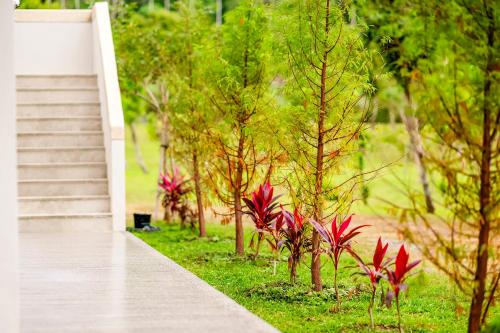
column 430, row 305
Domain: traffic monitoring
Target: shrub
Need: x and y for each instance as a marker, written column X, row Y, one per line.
column 396, row 278
column 375, row 271
column 262, row 209
column 174, row 196
column 337, row 243
column 294, row 239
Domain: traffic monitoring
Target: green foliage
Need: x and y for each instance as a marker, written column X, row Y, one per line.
column 493, row 327
column 325, row 99
column 143, row 48
column 191, row 113
column 38, row 4
column 240, row 87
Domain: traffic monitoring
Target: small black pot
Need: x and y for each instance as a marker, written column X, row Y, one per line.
column 141, row 220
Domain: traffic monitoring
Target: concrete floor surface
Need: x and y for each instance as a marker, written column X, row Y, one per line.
column 113, row 282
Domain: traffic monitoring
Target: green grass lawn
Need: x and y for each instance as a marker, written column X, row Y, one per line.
column 431, row 304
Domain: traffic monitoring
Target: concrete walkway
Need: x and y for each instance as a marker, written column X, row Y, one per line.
column 113, row 282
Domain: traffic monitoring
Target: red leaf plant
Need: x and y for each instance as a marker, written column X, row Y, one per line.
column 337, row 242
column 262, row 210
column 397, row 277
column 375, row 271
column 174, row 190
column 294, row 239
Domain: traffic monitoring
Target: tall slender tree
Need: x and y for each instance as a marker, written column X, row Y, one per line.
column 398, row 30
column 328, row 77
column 190, row 117
column 144, row 65
column 240, row 85
column 459, row 86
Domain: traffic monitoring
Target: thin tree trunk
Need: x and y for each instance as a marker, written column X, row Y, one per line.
column 400, row 328
column 156, row 213
column 199, row 199
column 337, row 297
column 166, row 4
column 260, row 238
column 237, row 197
column 161, row 171
column 218, row 13
column 137, row 149
column 164, row 142
column 411, row 125
column 370, row 308
column 77, row 4
column 318, row 188
column 392, row 117
column 480, row 276
column 374, row 114
column 293, row 271
column 167, row 215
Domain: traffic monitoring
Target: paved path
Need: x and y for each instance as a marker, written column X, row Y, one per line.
column 113, row 282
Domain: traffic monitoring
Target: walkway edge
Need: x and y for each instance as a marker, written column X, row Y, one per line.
column 228, row 302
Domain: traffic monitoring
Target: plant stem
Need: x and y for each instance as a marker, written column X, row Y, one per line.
column 370, row 308
column 336, row 289
column 258, row 246
column 399, row 315
column 293, row 272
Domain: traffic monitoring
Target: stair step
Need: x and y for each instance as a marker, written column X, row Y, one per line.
column 61, row 170
column 57, row 95
column 60, row 139
column 59, row 223
column 61, row 154
column 58, row 109
column 64, row 205
column 62, row 187
column 34, row 124
column 56, row 81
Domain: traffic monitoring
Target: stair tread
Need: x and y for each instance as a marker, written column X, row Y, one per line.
column 59, row 118
column 66, row 215
column 61, row 164
column 58, row 103
column 82, row 88
column 60, row 132
column 60, row 148
column 94, row 180
column 65, row 197
column 55, row 75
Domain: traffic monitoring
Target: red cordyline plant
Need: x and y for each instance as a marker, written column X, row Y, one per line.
column 396, row 278
column 294, row 239
column 338, row 241
column 275, row 238
column 262, row 210
column 375, row 271
column 174, row 189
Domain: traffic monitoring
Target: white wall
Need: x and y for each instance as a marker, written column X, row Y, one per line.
column 111, row 110
column 57, row 45
column 9, row 287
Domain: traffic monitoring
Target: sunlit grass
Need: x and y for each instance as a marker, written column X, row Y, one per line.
column 432, row 304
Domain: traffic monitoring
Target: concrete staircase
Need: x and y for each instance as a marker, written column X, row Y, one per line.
column 62, row 171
